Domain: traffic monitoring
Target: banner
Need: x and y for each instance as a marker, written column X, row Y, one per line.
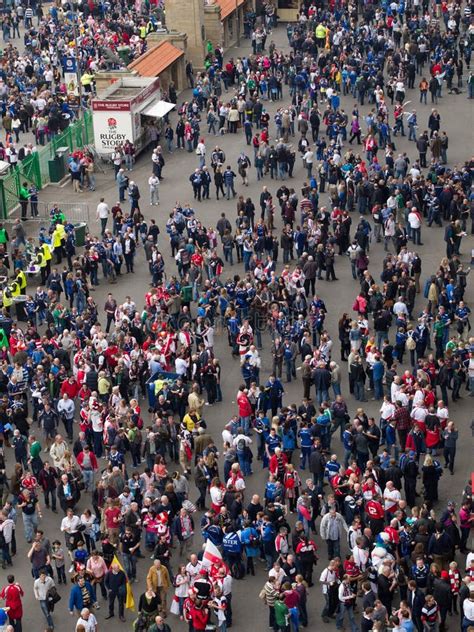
column 212, row 555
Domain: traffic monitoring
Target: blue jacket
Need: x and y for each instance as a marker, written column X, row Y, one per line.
column 378, row 370
column 75, row 597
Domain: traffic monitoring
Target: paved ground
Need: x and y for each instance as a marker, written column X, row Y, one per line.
column 457, row 119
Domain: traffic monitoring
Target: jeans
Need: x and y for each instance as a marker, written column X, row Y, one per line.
column 228, row 256
column 349, row 609
column 318, row 480
column 30, row 524
column 334, row 549
column 98, row 437
column 50, row 494
column 229, row 188
column 449, row 456
column 290, row 369
column 88, row 477
column 322, row 395
column 359, row 392
column 47, row 614
column 378, row 389
column 416, row 235
column 245, row 424
column 381, row 335
column 130, row 565
column 243, row 462
column 305, row 453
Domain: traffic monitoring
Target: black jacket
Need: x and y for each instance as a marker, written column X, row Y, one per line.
column 442, row 593
column 317, row 462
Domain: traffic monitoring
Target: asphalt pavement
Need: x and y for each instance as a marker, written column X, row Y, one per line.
column 456, row 119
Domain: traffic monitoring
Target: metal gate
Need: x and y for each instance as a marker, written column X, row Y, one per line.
column 9, row 193
column 29, row 170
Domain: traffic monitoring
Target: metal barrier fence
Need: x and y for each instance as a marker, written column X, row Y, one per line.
column 74, row 212
column 34, row 169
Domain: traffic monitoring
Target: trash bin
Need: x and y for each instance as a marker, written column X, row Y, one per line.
column 124, row 54
column 80, row 233
column 57, row 168
column 19, row 303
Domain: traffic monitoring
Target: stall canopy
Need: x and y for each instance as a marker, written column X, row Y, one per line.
column 159, row 109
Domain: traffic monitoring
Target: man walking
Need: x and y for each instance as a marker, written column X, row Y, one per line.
column 331, row 529
column 103, row 215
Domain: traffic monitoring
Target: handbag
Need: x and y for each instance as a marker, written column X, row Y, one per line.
column 174, row 608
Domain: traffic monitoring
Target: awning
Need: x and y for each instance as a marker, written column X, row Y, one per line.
column 159, row 109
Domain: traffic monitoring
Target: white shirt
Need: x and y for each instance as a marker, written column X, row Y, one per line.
column 418, row 414
column 418, row 398
column 102, row 210
column 154, row 182
column 193, row 571
column 327, row 576
column 414, row 220
column 391, row 498
column 90, row 624
column 236, row 440
column 400, row 308
column 468, row 609
column 70, row 524
column 386, row 411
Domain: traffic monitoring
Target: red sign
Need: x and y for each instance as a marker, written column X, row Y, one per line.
column 110, row 106
column 147, row 92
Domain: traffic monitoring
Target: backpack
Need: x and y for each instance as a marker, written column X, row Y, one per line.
column 241, row 445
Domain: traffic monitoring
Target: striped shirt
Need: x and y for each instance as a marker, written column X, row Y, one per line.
column 429, row 613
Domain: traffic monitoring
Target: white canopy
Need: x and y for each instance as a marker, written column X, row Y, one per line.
column 159, row 109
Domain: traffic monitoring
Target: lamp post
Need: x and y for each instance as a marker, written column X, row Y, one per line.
column 237, row 15
column 78, row 70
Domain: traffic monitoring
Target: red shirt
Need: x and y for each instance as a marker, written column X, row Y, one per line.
column 292, row 598
column 198, row 617
column 112, row 517
column 72, row 389
column 374, row 510
column 110, row 355
column 12, row 595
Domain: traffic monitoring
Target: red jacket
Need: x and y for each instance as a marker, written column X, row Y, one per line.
column 93, row 458
column 273, row 463
column 245, row 408
column 199, row 617
column 71, row 389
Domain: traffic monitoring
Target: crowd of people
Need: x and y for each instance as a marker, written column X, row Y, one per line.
column 102, row 412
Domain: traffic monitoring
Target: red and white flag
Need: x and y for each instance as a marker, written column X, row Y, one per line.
column 212, row 555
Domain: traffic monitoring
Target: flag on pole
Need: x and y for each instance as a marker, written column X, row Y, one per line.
column 212, row 555
column 129, row 599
